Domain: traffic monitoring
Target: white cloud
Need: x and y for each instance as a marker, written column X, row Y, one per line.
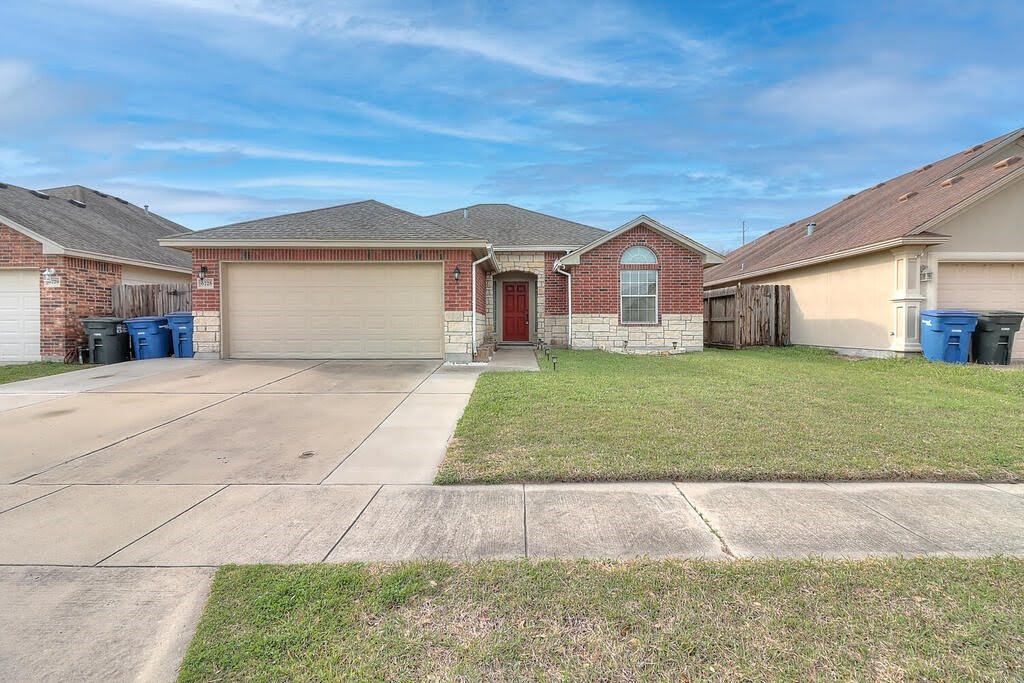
column 261, row 152
column 495, row 130
column 359, row 185
column 14, row 162
column 872, row 100
column 565, row 42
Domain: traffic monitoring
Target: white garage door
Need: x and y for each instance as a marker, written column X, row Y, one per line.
column 984, row 286
column 19, row 315
column 334, row 310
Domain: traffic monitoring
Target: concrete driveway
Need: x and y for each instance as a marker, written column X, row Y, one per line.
column 235, row 422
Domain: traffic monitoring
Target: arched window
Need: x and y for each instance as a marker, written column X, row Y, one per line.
column 638, row 256
column 639, row 287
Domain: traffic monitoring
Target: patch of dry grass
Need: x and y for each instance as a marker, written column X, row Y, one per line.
column 891, row 620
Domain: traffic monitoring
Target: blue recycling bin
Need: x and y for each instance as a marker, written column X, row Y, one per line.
column 180, row 324
column 150, row 336
column 946, row 334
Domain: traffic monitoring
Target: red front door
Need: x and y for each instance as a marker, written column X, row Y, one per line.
column 515, row 311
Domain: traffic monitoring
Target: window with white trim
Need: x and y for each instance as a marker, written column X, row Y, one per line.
column 639, row 288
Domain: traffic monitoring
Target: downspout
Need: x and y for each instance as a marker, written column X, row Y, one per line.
column 561, row 271
column 488, row 257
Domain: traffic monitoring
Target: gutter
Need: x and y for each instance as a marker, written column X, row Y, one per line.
column 561, row 271
column 489, row 256
column 908, row 240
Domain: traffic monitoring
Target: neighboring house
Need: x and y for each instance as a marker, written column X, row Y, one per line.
column 368, row 280
column 61, row 251
column 947, row 235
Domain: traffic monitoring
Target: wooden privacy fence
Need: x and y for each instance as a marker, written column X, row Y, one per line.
column 747, row 315
column 132, row 301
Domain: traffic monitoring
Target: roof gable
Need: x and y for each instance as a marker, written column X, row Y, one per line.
column 505, row 225
column 80, row 220
column 710, row 255
column 914, row 203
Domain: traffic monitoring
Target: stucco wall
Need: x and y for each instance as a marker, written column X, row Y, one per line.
column 842, row 304
column 996, row 224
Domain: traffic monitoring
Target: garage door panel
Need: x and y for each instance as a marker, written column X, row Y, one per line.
column 984, row 286
column 19, row 315
column 334, row 310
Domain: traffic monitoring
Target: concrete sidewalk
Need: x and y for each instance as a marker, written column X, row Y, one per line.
column 206, row 526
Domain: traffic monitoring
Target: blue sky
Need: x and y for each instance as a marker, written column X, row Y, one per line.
column 214, row 111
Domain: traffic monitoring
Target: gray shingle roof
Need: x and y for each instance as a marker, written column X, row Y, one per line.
column 367, row 220
column 504, row 225
column 106, row 225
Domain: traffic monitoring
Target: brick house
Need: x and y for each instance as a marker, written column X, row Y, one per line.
column 368, row 280
column 61, row 251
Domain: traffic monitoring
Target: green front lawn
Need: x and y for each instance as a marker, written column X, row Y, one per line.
column 892, row 620
column 764, row 414
column 16, row 373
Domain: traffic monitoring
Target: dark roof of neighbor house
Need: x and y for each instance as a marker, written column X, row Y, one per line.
column 900, row 207
column 366, row 220
column 504, row 225
column 98, row 224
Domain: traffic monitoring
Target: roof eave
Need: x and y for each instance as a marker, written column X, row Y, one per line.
column 110, row 258
column 710, row 255
column 908, row 240
column 49, row 246
column 190, row 244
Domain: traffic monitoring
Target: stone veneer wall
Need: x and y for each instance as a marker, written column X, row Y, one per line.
column 206, row 334
column 677, row 333
column 549, row 286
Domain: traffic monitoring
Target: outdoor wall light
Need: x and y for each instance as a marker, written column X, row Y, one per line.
column 457, row 273
column 202, row 272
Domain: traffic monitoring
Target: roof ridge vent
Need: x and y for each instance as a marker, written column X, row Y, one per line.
column 1008, row 161
column 40, row 194
column 849, row 196
column 924, row 168
column 3, row 186
column 100, row 193
column 974, row 149
column 77, row 203
column 907, row 196
column 949, row 182
column 878, row 185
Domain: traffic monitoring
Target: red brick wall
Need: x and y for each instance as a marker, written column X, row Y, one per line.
column 556, row 290
column 595, row 282
column 457, row 294
column 84, row 290
column 86, row 285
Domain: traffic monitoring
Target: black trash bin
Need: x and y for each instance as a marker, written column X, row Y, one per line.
column 108, row 340
column 993, row 338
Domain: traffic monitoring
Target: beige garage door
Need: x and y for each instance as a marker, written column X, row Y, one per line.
column 334, row 310
column 984, row 286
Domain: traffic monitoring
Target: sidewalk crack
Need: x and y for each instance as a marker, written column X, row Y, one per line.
column 714, row 532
